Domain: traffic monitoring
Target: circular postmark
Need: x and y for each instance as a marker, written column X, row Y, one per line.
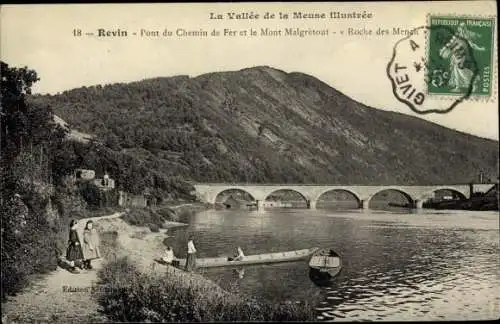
column 432, row 62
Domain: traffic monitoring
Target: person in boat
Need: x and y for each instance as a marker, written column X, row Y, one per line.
column 239, row 256
column 191, row 255
column 169, row 257
column 90, row 246
column 74, row 253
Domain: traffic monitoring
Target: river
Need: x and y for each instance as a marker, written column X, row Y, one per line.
column 397, row 265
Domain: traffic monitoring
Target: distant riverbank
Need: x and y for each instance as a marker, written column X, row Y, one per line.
column 478, row 201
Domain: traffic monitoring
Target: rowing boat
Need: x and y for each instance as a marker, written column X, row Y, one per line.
column 254, row 259
column 324, row 264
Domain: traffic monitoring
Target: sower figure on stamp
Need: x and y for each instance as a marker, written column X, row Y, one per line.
column 455, row 50
column 191, row 255
column 90, row 245
column 469, row 36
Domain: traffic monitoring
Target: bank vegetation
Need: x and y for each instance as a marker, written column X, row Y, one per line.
column 130, row 295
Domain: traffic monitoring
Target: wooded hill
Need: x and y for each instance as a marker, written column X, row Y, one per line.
column 261, row 125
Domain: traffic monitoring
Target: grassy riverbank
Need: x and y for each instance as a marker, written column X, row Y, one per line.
column 131, row 295
column 136, row 290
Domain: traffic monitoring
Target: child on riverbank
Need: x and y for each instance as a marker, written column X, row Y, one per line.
column 90, row 245
column 74, row 253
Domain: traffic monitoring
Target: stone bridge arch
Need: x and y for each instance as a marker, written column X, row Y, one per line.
column 430, row 193
column 356, row 195
column 219, row 192
column 216, row 193
column 411, row 199
column 305, row 196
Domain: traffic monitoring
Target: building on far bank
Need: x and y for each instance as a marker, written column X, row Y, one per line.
column 277, row 204
column 106, row 183
column 126, row 199
column 84, row 174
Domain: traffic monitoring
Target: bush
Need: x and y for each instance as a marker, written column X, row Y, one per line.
column 90, row 193
column 154, row 228
column 169, row 214
column 148, row 217
column 96, row 197
column 138, row 217
column 185, row 212
column 108, row 243
column 130, row 295
column 28, row 245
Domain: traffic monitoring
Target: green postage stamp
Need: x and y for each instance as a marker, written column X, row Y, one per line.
column 460, row 56
column 445, row 63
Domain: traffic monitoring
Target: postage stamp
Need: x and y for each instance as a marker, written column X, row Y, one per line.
column 460, row 55
column 438, row 66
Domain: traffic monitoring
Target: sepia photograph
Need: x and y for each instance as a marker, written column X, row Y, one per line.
column 249, row 162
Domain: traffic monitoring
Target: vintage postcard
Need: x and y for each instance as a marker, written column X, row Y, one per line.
column 327, row 161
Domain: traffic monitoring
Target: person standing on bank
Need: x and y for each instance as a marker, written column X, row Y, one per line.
column 90, row 245
column 191, row 255
column 74, row 253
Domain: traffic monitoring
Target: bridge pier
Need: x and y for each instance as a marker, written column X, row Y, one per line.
column 311, row 204
column 364, row 204
column 418, row 204
column 260, row 204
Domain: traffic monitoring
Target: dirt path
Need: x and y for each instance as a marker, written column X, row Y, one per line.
column 51, row 299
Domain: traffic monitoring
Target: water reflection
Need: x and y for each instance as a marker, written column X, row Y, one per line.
column 240, row 272
column 396, row 265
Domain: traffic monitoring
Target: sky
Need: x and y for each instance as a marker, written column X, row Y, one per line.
column 42, row 38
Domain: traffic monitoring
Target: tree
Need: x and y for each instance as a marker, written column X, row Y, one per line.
column 27, row 133
column 15, row 85
column 112, row 141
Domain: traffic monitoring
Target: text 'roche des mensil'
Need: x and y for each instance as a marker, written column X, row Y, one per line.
column 256, row 31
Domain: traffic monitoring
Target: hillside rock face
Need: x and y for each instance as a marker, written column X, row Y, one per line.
column 264, row 125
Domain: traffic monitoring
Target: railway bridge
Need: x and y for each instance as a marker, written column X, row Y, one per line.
column 416, row 194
